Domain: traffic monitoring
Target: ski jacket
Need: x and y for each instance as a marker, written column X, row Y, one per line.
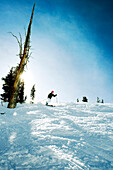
column 50, row 95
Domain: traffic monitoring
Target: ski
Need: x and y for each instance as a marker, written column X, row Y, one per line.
column 50, row 105
column 2, row 113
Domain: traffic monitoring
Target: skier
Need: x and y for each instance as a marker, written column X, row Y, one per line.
column 50, row 95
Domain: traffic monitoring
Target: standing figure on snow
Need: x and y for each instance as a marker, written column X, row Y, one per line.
column 50, row 95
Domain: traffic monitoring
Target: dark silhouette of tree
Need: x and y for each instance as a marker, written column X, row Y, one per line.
column 102, row 101
column 23, row 62
column 85, row 99
column 98, row 100
column 21, row 98
column 77, row 100
column 32, row 93
column 8, row 87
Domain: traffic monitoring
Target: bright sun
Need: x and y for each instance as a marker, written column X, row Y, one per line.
column 26, row 76
column 28, row 79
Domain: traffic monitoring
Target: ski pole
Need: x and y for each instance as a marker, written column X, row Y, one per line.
column 56, row 99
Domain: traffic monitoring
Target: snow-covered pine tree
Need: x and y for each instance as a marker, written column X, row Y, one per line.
column 32, row 93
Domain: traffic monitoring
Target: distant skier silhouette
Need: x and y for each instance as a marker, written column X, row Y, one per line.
column 50, row 95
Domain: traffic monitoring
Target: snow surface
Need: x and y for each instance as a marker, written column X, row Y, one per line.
column 69, row 136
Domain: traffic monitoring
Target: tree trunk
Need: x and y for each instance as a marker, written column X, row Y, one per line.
column 13, row 100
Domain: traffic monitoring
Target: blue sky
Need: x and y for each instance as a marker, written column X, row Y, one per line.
column 72, row 47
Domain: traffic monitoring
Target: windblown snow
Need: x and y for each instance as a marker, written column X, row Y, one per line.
column 68, row 136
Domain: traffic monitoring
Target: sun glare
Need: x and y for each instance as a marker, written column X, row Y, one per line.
column 28, row 79
column 25, row 76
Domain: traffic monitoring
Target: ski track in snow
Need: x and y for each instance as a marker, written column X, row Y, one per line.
column 69, row 136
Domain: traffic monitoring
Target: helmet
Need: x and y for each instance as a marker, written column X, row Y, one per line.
column 52, row 91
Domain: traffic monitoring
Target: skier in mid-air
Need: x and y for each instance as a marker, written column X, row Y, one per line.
column 50, row 95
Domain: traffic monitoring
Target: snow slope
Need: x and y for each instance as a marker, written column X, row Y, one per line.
column 69, row 136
